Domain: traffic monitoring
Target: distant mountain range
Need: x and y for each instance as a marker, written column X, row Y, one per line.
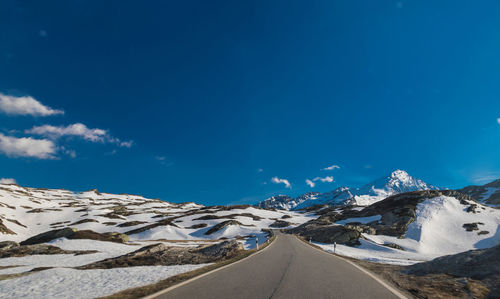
column 399, row 181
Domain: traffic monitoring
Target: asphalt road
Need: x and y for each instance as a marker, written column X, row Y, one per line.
column 288, row 268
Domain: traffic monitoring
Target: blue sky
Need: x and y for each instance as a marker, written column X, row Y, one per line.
column 209, row 101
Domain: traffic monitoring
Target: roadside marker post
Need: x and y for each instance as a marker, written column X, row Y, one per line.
column 334, row 247
column 257, row 243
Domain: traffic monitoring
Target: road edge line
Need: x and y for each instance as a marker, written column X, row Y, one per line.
column 393, row 290
column 154, row 295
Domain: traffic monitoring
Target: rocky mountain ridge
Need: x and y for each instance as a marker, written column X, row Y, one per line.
column 399, row 181
column 488, row 193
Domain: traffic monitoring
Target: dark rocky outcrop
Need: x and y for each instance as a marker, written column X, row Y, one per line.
column 230, row 216
column 483, row 264
column 107, row 237
column 221, row 225
column 130, row 223
column 5, row 230
column 160, row 254
column 328, row 234
column 73, row 233
column 280, row 224
column 84, row 221
column 479, row 192
column 8, row 244
column 16, row 250
column 199, row 225
column 471, row 226
column 163, row 222
column 49, row 236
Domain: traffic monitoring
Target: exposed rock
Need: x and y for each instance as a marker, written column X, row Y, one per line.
column 108, row 237
column 163, row 222
column 49, row 236
column 483, row 232
column 160, row 254
column 280, row 223
column 328, row 234
column 199, row 225
column 84, row 221
column 472, row 208
column 471, row 226
column 395, row 246
column 18, row 251
column 17, row 222
column 362, row 228
column 5, row 230
column 207, row 217
column 482, row 264
column 131, row 223
column 488, row 194
column 8, row 244
column 286, row 216
column 230, row 216
column 221, row 225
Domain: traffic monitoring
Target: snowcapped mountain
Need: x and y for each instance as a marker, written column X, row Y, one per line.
column 399, row 181
column 487, row 194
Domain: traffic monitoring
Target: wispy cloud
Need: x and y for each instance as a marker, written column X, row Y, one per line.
column 27, row 147
column 7, row 181
column 485, row 177
column 260, row 170
column 25, row 105
column 331, row 167
column 310, row 183
column 77, row 130
column 164, row 161
column 326, row 179
column 277, row 180
column 498, row 120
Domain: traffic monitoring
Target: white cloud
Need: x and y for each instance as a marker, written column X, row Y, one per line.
column 79, row 130
column 277, row 180
column 127, row 144
column 27, row 147
column 25, row 106
column 68, row 152
column 498, row 120
column 327, row 179
column 7, row 181
column 331, row 167
column 164, row 161
column 310, row 183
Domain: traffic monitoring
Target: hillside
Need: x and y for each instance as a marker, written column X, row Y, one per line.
column 101, row 243
column 406, row 228
column 487, row 194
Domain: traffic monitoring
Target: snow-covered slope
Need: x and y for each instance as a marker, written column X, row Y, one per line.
column 443, row 225
column 399, row 181
column 486, row 194
column 25, row 212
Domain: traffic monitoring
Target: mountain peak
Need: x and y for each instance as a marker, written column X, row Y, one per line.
column 400, row 174
column 398, row 181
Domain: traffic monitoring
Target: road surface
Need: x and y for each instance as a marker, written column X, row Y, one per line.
column 288, row 268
